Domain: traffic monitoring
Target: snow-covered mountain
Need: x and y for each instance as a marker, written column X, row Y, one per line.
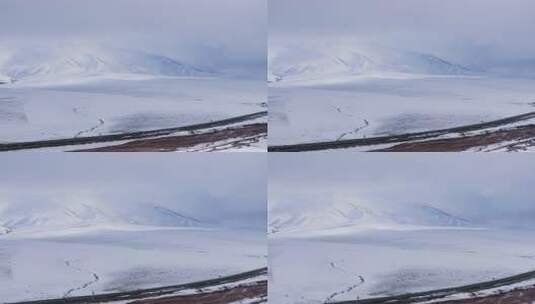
column 14, row 217
column 315, row 63
column 50, row 63
column 330, row 216
column 154, row 215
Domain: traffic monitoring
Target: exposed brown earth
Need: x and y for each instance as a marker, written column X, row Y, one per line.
column 521, row 136
column 174, row 143
column 519, row 296
column 253, row 291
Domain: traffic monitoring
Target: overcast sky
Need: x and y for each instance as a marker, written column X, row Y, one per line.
column 226, row 188
column 472, row 32
column 228, row 33
column 490, row 189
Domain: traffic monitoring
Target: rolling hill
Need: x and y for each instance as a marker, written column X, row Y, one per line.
column 329, row 216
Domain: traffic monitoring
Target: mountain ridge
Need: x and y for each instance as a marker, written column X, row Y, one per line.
column 49, row 63
column 59, row 216
column 318, row 63
column 339, row 215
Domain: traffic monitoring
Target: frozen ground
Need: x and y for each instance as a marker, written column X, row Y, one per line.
column 352, row 263
column 122, row 103
column 367, row 106
column 332, row 90
column 81, row 261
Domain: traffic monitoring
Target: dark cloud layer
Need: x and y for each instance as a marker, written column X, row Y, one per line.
column 476, row 32
column 221, row 32
column 228, row 189
column 492, row 189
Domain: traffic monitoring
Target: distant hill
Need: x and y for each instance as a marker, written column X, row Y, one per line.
column 315, row 63
column 14, row 217
column 44, row 63
column 337, row 215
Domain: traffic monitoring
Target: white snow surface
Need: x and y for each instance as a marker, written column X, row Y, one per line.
column 346, row 251
column 103, row 258
column 319, row 93
column 72, row 247
column 377, row 107
column 364, row 263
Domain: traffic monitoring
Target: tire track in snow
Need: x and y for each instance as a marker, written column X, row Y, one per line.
column 100, row 123
column 354, row 132
column 6, row 263
column 345, row 290
column 95, row 276
column 443, row 294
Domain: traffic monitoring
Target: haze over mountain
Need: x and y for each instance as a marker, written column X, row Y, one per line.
column 39, row 191
column 311, row 61
column 224, row 35
column 337, row 215
column 75, row 62
column 379, row 189
column 456, row 31
column 15, row 217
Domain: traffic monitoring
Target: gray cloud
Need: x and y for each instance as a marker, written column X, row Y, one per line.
column 492, row 189
column 223, row 32
column 227, row 189
column 474, row 32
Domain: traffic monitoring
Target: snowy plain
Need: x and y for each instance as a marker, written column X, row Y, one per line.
column 354, row 252
column 99, row 259
column 67, row 92
column 356, row 91
column 360, row 264
column 110, row 106
column 56, row 250
column 377, row 107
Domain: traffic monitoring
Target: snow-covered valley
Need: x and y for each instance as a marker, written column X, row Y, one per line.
column 65, row 92
column 362, row 251
column 84, row 249
column 358, row 91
